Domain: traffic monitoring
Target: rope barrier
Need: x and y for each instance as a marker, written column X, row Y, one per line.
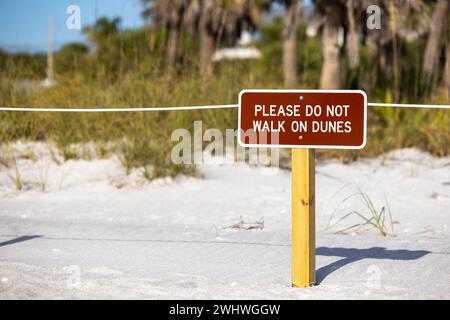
column 184, row 108
column 225, row 106
column 405, row 105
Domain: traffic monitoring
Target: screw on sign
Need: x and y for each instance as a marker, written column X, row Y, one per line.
column 303, row 120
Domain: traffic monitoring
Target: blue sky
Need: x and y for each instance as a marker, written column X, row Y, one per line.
column 23, row 23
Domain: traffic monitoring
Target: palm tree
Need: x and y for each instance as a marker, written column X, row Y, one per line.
column 393, row 30
column 440, row 20
column 211, row 21
column 219, row 20
column 352, row 36
column 332, row 12
column 405, row 21
column 408, row 20
column 168, row 14
column 447, row 72
column 290, row 26
column 373, row 38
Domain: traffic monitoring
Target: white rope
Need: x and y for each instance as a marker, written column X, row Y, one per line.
column 224, row 106
column 400, row 105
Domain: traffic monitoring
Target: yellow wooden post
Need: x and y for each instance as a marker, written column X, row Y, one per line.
column 303, row 218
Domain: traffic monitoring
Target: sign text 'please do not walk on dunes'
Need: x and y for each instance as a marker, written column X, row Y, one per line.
column 334, row 119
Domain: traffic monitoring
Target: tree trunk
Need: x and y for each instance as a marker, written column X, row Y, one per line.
column 330, row 75
column 447, row 71
column 207, row 37
column 433, row 45
column 352, row 37
column 373, row 43
column 395, row 62
column 373, row 36
column 172, row 49
column 290, row 63
column 206, row 52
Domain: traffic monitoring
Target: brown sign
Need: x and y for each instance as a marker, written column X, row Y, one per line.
column 334, row 119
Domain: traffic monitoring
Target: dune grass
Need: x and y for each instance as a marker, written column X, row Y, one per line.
column 142, row 139
column 380, row 220
column 127, row 70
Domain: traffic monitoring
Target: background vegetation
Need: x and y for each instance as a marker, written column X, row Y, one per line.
column 169, row 63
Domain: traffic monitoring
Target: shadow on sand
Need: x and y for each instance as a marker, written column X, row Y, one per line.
column 18, row 239
column 350, row 255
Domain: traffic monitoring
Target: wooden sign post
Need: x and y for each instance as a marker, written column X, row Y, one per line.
column 303, row 120
column 303, row 218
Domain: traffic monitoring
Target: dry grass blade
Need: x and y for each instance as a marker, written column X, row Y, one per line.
column 373, row 218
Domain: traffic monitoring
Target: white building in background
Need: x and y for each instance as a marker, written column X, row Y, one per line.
column 241, row 52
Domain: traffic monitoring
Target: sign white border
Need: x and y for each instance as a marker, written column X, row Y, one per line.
column 302, row 146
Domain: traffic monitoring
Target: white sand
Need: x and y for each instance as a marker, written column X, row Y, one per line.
column 102, row 234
